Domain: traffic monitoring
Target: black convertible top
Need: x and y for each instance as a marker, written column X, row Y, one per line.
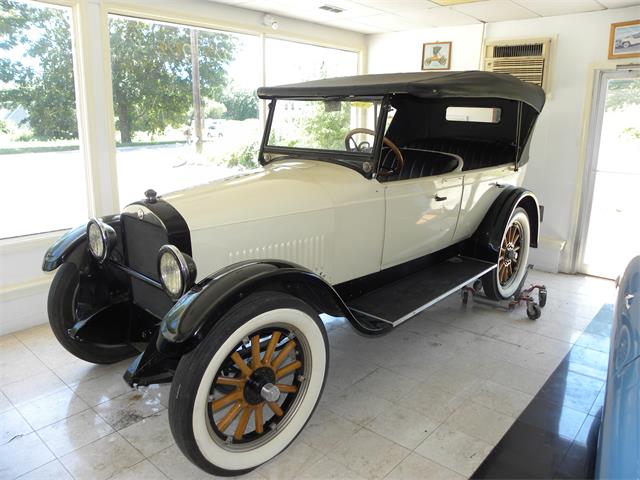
column 469, row 84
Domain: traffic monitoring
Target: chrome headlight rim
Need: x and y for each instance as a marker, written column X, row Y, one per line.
column 186, row 266
column 107, row 235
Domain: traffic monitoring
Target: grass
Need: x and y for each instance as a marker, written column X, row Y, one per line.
column 68, row 148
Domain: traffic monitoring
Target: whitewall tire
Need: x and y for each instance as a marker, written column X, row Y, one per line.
column 513, row 257
column 247, row 390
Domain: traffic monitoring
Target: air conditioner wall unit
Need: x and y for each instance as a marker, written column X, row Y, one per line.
column 526, row 59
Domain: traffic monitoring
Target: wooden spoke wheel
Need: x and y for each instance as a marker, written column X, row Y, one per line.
column 513, row 255
column 256, row 386
column 508, row 257
column 249, row 387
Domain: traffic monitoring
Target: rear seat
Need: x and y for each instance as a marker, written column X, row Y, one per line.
column 476, row 154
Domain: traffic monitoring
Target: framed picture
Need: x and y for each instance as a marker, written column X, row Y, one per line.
column 624, row 41
column 436, row 56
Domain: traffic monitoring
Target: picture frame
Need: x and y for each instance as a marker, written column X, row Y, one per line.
column 624, row 39
column 436, row 56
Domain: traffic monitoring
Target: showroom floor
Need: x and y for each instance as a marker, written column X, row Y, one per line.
column 429, row 400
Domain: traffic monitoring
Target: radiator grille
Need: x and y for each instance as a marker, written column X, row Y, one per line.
column 142, row 240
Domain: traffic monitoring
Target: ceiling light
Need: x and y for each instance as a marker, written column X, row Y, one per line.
column 270, row 21
column 447, row 3
column 331, row 8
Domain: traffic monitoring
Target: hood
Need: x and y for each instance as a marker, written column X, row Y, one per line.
column 281, row 188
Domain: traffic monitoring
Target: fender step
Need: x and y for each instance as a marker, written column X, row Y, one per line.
column 403, row 299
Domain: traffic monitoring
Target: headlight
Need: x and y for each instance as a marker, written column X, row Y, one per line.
column 177, row 271
column 102, row 238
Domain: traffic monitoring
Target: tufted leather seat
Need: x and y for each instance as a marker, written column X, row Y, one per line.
column 476, row 154
column 418, row 163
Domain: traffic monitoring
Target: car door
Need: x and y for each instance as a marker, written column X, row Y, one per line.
column 421, row 216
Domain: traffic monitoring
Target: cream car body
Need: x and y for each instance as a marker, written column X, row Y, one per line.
column 330, row 219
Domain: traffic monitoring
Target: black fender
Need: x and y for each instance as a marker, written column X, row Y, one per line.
column 485, row 242
column 193, row 316
column 72, row 246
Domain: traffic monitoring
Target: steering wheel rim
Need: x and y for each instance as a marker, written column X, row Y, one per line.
column 394, row 148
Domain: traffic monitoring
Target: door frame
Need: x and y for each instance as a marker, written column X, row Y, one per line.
column 596, row 117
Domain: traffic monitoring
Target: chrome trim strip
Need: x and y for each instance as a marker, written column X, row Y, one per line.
column 369, row 315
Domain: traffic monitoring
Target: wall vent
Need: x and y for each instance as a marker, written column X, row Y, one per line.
column 527, row 60
column 331, row 8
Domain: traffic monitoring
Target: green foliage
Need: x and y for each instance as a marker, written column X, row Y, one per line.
column 622, row 93
column 241, row 105
column 631, row 132
column 327, row 129
column 247, row 157
column 151, row 71
column 44, row 88
column 4, row 128
column 213, row 109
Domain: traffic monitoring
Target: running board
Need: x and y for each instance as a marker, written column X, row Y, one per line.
column 403, row 299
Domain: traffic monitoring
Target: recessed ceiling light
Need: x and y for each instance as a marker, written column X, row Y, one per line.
column 447, row 3
column 331, row 8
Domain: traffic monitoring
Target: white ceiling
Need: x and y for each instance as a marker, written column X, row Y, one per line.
column 377, row 16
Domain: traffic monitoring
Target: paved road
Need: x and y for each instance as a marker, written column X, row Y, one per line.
column 55, row 197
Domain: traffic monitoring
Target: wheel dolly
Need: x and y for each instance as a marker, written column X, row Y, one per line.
column 522, row 295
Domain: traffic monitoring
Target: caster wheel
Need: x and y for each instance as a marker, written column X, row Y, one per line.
column 542, row 297
column 248, row 389
column 477, row 286
column 533, row 311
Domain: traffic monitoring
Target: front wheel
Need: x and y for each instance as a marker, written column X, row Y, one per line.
column 513, row 257
column 247, row 390
column 64, row 306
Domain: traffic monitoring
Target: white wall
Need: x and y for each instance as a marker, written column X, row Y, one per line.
column 580, row 44
column 23, row 286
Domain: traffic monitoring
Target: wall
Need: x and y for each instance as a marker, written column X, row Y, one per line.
column 23, row 286
column 580, row 44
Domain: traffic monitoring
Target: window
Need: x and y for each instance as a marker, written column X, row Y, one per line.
column 42, row 175
column 185, row 104
column 473, row 114
column 292, row 62
column 337, row 125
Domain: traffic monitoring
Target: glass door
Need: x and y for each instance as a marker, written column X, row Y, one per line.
column 611, row 235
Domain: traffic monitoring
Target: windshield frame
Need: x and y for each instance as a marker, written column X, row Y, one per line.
column 363, row 162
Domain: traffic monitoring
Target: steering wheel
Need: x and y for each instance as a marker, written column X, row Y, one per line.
column 349, row 140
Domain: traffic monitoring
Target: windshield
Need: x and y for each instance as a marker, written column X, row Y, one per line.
column 346, row 126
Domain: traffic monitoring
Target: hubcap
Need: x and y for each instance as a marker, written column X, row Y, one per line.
column 509, row 251
column 255, row 386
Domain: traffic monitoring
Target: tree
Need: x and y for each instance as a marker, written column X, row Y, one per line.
column 327, row 128
column 45, row 89
column 240, row 105
column 151, row 71
column 621, row 93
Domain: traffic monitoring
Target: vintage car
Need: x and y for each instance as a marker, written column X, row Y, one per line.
column 619, row 436
column 377, row 196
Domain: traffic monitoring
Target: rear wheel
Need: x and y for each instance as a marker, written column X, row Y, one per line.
column 63, row 306
column 247, row 390
column 513, row 257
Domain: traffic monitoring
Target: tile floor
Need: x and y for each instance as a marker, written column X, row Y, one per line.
column 429, row 400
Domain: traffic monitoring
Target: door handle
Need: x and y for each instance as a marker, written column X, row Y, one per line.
column 439, row 198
